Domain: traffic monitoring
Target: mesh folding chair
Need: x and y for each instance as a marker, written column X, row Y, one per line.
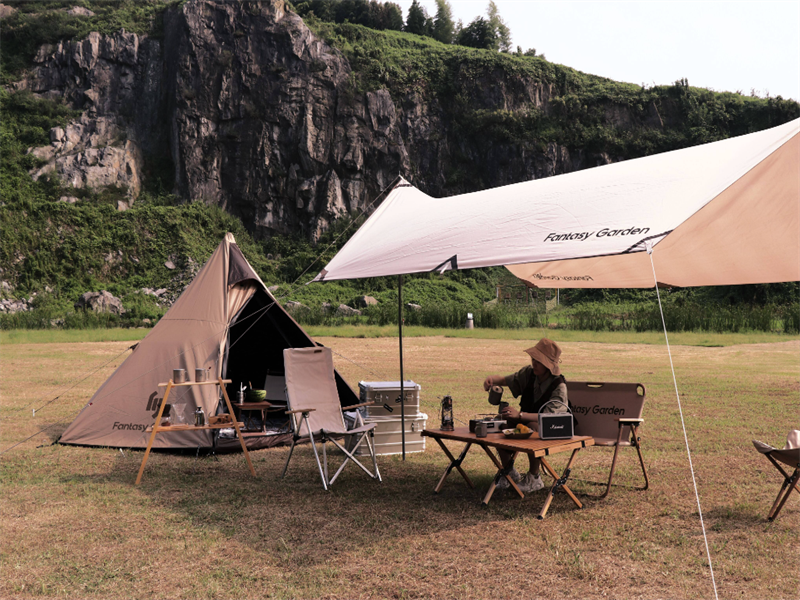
column 316, row 412
column 612, row 414
column 790, row 456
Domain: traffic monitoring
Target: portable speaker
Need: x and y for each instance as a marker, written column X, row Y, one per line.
column 555, row 426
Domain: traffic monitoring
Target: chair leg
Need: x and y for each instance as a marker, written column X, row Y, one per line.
column 371, row 445
column 613, row 461
column 638, row 445
column 325, row 456
column 350, row 457
column 316, row 457
column 635, row 443
column 611, row 473
column 288, row 458
column 789, row 484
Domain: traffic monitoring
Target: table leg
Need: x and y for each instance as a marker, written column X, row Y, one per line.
column 236, row 427
column 560, row 482
column 153, row 433
column 501, row 472
column 454, row 462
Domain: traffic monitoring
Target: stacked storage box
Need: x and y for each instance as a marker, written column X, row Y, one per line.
column 385, row 413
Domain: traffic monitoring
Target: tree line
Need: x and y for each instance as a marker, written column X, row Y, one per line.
column 489, row 33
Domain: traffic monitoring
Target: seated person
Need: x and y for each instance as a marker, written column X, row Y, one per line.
column 538, row 384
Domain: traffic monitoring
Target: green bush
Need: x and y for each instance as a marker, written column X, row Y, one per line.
column 47, row 22
column 791, row 318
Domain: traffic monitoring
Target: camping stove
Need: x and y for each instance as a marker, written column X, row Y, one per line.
column 493, row 424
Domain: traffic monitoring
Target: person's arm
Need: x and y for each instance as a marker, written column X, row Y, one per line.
column 530, row 419
column 558, row 400
column 494, row 380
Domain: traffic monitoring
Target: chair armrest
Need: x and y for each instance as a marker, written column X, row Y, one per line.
column 299, row 410
column 358, row 405
column 628, row 421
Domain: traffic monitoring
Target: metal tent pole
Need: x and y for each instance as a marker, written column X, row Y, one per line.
column 402, row 390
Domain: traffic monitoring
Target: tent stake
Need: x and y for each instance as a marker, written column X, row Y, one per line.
column 402, row 391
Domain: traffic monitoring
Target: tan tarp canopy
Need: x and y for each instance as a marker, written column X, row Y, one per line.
column 226, row 321
column 724, row 213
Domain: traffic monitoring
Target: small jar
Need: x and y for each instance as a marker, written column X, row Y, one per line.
column 199, row 417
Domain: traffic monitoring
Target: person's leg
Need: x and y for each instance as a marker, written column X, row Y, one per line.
column 535, row 464
column 532, row 481
column 505, row 458
column 508, row 463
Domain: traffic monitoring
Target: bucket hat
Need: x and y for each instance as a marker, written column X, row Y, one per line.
column 548, row 353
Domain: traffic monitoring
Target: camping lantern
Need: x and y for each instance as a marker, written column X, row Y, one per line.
column 447, row 413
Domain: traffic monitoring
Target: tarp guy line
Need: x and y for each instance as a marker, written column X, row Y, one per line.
column 385, row 191
column 683, row 424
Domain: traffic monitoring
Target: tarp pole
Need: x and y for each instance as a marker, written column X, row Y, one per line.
column 402, row 390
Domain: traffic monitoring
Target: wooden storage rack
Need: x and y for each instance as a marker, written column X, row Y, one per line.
column 157, row 428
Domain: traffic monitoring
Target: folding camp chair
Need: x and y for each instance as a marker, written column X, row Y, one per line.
column 316, row 412
column 612, row 414
column 789, row 455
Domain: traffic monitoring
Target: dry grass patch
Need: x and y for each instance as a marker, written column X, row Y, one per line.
column 75, row 526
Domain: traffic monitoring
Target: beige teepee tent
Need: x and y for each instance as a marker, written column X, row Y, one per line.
column 226, row 321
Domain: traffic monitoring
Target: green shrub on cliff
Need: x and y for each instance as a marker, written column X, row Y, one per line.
column 49, row 22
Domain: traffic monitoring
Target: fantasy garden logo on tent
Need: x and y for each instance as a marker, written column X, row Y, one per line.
column 540, row 277
column 582, row 236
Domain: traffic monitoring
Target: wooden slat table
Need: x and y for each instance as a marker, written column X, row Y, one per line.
column 533, row 445
column 261, row 407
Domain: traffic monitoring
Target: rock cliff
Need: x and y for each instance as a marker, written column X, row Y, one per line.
column 260, row 116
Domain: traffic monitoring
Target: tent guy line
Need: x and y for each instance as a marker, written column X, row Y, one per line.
column 683, row 424
column 379, row 376
column 41, row 431
column 64, row 391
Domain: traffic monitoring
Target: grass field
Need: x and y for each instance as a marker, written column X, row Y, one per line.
column 709, row 339
column 75, row 526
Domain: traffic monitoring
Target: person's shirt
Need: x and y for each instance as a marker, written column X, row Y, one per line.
column 517, row 382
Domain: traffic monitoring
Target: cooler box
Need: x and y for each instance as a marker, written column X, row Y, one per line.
column 388, row 438
column 386, row 395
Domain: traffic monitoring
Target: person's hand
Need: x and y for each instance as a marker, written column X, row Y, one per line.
column 487, row 384
column 510, row 413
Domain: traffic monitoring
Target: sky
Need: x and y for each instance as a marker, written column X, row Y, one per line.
column 747, row 47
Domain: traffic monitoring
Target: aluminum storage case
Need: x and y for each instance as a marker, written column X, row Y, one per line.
column 388, row 438
column 386, row 395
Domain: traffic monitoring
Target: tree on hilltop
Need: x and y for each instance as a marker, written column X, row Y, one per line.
column 444, row 29
column 418, row 21
column 499, row 28
column 489, row 34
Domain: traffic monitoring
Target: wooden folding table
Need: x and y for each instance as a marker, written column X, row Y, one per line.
column 158, row 428
column 533, row 445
